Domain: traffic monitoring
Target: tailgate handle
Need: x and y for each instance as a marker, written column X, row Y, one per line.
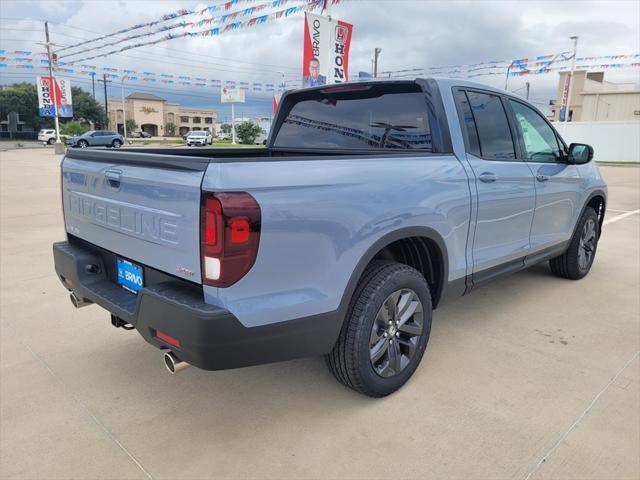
column 113, row 178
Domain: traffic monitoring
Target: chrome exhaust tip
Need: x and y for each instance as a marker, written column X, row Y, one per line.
column 173, row 363
column 78, row 302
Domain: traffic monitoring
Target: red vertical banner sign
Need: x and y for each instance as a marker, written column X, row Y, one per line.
column 326, row 50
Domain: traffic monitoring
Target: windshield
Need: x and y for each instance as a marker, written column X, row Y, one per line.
column 198, row 134
column 358, row 117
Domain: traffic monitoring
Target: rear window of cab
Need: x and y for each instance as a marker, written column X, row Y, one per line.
column 373, row 117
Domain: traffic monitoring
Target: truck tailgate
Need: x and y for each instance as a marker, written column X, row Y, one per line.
column 137, row 206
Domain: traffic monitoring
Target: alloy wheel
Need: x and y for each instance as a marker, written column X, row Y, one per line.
column 396, row 332
column 587, row 245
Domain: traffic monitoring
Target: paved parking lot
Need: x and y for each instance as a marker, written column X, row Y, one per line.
column 529, row 377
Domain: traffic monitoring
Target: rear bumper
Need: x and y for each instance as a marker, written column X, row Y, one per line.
column 210, row 337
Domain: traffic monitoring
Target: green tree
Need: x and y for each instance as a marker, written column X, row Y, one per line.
column 132, row 126
column 226, row 128
column 85, row 108
column 248, row 132
column 23, row 98
column 170, row 129
column 73, row 128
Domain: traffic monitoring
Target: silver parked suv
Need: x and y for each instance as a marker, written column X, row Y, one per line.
column 97, row 138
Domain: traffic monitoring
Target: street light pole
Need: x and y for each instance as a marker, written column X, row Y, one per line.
column 59, row 148
column 573, row 67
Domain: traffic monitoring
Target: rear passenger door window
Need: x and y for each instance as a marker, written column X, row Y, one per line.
column 539, row 141
column 494, row 134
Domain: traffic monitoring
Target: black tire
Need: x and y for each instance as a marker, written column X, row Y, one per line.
column 51, row 141
column 83, row 144
column 350, row 361
column 583, row 245
column 116, row 144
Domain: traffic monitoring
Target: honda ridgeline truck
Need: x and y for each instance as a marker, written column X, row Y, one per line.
column 372, row 204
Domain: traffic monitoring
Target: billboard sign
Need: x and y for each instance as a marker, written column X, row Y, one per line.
column 62, row 86
column 231, row 95
column 326, row 50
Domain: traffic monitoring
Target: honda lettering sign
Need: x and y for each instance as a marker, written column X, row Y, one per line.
column 326, row 50
column 62, row 96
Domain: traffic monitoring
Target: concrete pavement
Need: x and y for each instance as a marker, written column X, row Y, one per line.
column 529, row 377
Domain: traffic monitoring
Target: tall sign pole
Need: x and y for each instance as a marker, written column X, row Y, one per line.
column 233, row 124
column 59, row 148
column 124, row 112
column 569, row 88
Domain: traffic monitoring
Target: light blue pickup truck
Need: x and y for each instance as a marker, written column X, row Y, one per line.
column 372, row 204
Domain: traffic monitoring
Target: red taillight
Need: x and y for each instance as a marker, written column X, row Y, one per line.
column 229, row 236
column 168, row 339
column 240, row 230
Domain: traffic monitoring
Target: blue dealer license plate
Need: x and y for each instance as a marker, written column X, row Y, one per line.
column 130, row 276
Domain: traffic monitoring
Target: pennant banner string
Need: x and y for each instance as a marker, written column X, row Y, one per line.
column 164, row 18
column 217, row 30
column 183, row 24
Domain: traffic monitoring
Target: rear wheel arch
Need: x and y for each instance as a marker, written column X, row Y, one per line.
column 419, row 247
column 596, row 201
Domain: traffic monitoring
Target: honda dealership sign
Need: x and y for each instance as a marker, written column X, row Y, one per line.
column 62, row 97
column 326, row 50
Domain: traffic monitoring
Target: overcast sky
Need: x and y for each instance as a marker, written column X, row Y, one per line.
column 412, row 34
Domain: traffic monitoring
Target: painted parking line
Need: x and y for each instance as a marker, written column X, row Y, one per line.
column 620, row 217
column 617, row 211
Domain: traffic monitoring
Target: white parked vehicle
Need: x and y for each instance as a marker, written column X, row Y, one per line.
column 199, row 138
column 47, row 136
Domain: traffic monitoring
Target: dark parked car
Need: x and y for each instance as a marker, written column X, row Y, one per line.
column 144, row 134
column 97, row 138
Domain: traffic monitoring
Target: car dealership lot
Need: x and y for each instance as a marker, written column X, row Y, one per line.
column 529, row 376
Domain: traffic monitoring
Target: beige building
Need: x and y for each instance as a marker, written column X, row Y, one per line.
column 152, row 114
column 595, row 100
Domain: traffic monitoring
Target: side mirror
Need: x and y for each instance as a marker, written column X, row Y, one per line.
column 580, row 153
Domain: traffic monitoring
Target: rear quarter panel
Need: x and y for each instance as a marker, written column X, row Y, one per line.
column 319, row 218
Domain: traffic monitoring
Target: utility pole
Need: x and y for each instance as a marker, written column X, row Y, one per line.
column 376, row 53
column 573, row 67
column 59, row 148
column 106, row 99
column 528, row 85
column 93, row 84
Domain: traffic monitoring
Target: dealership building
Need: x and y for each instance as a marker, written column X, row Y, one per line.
column 593, row 99
column 152, row 114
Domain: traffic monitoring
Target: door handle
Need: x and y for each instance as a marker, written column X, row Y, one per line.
column 113, row 178
column 541, row 177
column 488, row 177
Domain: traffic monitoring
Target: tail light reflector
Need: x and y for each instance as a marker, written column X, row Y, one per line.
column 168, row 339
column 229, row 236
